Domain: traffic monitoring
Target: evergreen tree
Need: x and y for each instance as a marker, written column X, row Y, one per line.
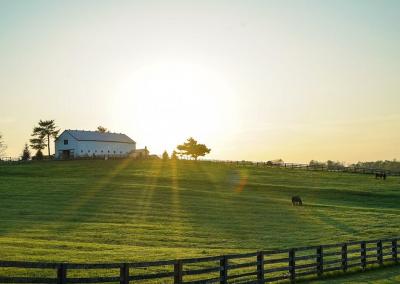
column 39, row 155
column 3, row 146
column 165, row 156
column 174, row 155
column 45, row 131
column 26, row 154
column 38, row 144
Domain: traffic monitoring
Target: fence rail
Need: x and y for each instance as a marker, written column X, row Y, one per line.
column 317, row 167
column 10, row 159
column 257, row 267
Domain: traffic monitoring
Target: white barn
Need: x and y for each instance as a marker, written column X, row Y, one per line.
column 80, row 143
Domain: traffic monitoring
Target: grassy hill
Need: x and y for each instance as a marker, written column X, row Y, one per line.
column 103, row 211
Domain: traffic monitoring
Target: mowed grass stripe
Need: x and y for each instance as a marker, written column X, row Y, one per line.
column 90, row 211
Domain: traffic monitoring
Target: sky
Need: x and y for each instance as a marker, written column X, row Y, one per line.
column 253, row 80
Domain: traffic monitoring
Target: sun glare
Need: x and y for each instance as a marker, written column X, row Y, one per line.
column 169, row 101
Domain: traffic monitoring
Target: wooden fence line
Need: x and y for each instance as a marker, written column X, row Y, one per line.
column 258, row 267
column 346, row 169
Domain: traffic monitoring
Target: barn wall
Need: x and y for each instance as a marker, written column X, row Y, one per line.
column 59, row 144
column 97, row 148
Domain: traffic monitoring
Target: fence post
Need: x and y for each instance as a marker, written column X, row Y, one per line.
column 394, row 250
column 363, row 255
column 320, row 260
column 292, row 265
column 260, row 267
column 62, row 274
column 124, row 274
column 223, row 273
column 379, row 252
column 344, row 257
column 178, row 272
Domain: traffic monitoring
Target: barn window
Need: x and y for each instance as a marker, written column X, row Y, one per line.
column 114, row 152
column 108, row 151
column 95, row 151
column 88, row 151
column 81, row 151
column 66, row 142
column 120, row 152
column 102, row 151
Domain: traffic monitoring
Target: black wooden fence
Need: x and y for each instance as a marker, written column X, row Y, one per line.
column 258, row 267
column 316, row 167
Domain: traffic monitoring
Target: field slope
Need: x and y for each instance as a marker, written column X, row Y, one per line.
column 103, row 211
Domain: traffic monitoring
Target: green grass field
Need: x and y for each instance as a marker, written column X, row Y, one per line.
column 386, row 275
column 107, row 211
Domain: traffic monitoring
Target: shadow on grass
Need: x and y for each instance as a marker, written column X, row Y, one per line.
column 388, row 273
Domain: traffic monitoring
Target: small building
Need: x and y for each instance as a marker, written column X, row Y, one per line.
column 140, row 153
column 79, row 143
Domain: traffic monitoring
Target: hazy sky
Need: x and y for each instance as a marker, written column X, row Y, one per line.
column 255, row 80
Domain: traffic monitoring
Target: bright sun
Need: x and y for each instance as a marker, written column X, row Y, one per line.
column 166, row 102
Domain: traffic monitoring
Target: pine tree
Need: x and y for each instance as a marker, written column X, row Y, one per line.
column 3, row 146
column 45, row 131
column 174, row 155
column 39, row 155
column 26, row 154
column 38, row 144
column 165, row 156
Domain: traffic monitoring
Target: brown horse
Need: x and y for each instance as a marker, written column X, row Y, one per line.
column 380, row 176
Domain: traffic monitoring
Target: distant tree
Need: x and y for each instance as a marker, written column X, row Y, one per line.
column 200, row 151
column 39, row 155
column 386, row 165
column 3, row 146
column 276, row 162
column 102, row 129
column 165, row 156
column 174, row 155
column 193, row 149
column 316, row 164
column 26, row 154
column 38, row 144
column 45, row 131
column 332, row 165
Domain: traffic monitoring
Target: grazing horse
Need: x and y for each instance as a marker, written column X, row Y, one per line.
column 296, row 200
column 380, row 176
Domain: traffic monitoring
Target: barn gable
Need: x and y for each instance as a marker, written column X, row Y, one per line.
column 82, row 135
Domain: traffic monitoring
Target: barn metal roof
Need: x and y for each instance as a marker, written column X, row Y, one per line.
column 83, row 135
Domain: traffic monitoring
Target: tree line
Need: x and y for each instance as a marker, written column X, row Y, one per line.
column 387, row 165
column 47, row 130
column 190, row 149
column 331, row 165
